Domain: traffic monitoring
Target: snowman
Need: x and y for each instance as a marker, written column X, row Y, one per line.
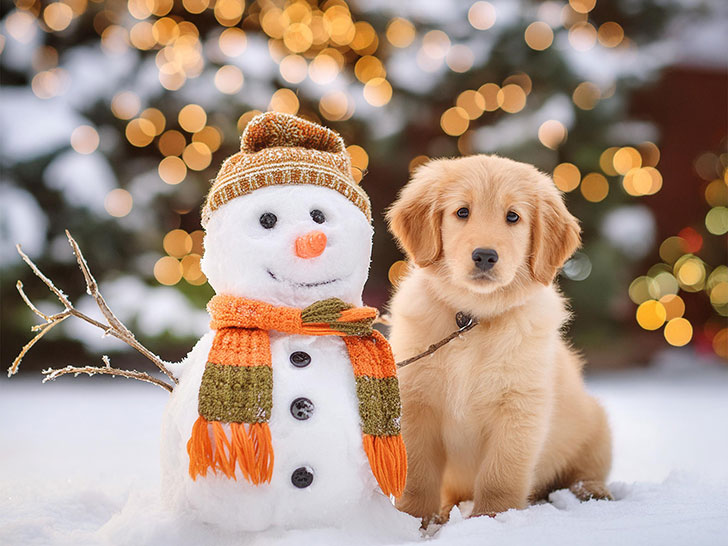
column 287, row 412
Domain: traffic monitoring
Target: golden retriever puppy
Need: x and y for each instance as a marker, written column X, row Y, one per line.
column 501, row 416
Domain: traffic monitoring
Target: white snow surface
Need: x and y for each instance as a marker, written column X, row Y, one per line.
column 80, row 465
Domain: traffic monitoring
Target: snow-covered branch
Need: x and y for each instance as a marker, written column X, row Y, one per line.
column 113, row 327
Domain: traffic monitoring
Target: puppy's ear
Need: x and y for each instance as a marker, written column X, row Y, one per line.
column 555, row 234
column 415, row 217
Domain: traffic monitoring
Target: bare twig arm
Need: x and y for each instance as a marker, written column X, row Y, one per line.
column 51, row 374
column 114, row 327
column 117, row 327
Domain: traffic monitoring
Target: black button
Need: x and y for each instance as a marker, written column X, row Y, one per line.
column 300, row 359
column 302, row 408
column 302, row 477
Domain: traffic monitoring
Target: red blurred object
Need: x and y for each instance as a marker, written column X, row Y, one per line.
column 693, row 240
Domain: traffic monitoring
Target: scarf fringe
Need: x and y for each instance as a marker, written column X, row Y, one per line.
column 250, row 450
column 388, row 461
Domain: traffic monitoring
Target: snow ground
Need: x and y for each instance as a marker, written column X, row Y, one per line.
column 79, row 465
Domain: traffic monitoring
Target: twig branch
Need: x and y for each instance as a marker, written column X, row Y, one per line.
column 435, row 346
column 51, row 374
column 114, row 327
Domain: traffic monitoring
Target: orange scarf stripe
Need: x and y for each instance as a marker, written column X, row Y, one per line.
column 231, row 349
column 371, row 359
column 233, row 312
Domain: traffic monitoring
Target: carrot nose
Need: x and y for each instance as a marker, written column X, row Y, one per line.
column 311, row 245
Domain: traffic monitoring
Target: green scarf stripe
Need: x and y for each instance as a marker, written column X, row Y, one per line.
column 236, row 394
column 325, row 311
column 329, row 312
column 379, row 405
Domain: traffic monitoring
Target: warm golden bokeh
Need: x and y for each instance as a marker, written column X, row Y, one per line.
column 566, row 176
column 539, row 36
column 400, row 32
column 511, row 98
column 651, row 315
column 594, row 187
column 192, row 118
column 177, row 243
column 454, row 121
column 168, row 270
column 472, row 103
column 172, row 170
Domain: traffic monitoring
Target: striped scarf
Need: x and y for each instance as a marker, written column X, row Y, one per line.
column 235, row 397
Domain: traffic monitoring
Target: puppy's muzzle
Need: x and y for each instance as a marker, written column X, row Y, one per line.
column 484, row 258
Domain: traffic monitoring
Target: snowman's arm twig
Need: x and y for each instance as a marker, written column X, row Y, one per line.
column 114, row 327
column 117, row 328
column 51, row 374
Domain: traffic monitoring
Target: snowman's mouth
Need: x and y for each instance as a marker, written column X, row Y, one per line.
column 302, row 284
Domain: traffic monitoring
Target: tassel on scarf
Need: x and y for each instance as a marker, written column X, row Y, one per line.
column 250, row 450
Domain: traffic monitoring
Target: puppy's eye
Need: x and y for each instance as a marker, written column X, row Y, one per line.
column 512, row 217
column 268, row 220
column 463, row 212
column 318, row 216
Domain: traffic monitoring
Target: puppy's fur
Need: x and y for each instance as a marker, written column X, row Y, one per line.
column 501, row 416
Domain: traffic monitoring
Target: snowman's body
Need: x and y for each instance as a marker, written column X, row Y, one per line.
column 320, row 436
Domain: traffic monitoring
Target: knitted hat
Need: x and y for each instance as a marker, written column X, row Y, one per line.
column 280, row 149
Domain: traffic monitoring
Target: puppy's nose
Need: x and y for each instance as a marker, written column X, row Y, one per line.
column 311, row 245
column 484, row 258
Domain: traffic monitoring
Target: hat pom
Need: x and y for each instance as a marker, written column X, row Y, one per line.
column 275, row 129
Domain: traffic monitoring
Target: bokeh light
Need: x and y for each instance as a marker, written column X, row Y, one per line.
column 594, row 187
column 284, row 100
column 118, row 203
column 229, row 79
column 84, row 139
column 552, row 133
column 489, row 91
column 716, row 221
column 172, row 170
column 482, row 15
column 377, row 91
column 511, row 98
column 678, row 332
column 168, row 270
column 177, row 243
column 454, row 121
column 566, row 176
column 400, row 32
column 651, row 315
column 192, row 118
column 397, row 271
column 586, row 95
column 539, row 36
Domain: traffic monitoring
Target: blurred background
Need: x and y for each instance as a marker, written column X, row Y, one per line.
column 115, row 116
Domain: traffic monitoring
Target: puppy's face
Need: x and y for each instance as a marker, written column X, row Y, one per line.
column 485, row 222
column 485, row 231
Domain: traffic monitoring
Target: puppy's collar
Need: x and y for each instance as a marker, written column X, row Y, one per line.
column 463, row 320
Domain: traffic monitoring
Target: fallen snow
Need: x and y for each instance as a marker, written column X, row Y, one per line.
column 79, row 465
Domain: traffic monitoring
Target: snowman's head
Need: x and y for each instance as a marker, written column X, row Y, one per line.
column 289, row 245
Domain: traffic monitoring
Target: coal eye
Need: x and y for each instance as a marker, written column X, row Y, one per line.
column 512, row 217
column 268, row 220
column 318, row 216
column 463, row 212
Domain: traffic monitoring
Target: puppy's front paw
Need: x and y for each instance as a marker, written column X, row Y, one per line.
column 592, row 489
column 484, row 514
